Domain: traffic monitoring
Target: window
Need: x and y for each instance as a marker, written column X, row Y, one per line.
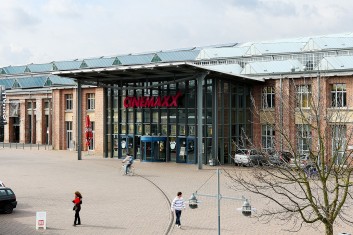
column 68, row 101
column 268, row 97
column 90, row 101
column 267, row 136
column 339, row 143
column 69, row 141
column 303, row 96
column 46, row 104
column 303, row 138
column 3, row 193
column 338, row 95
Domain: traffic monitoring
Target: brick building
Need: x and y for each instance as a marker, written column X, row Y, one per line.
column 148, row 104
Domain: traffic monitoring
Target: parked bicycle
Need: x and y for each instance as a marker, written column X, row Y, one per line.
column 311, row 171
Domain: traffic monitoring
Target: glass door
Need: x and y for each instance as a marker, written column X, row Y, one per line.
column 191, row 150
column 126, row 145
column 181, row 150
column 186, row 150
column 153, row 148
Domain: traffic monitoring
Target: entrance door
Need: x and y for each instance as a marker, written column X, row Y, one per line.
column 191, row 150
column 126, row 145
column 153, row 148
column 186, row 150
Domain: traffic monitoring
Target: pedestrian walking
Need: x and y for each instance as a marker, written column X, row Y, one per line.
column 77, row 207
column 178, row 205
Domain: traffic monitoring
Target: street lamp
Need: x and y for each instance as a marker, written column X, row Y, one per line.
column 246, row 209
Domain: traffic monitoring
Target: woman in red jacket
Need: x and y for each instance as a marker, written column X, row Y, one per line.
column 77, row 201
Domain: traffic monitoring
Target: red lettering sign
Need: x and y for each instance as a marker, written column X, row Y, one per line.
column 152, row 101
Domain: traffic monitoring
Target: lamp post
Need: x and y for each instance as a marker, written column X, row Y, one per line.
column 246, row 208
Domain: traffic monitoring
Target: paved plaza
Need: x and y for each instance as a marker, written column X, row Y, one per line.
column 46, row 180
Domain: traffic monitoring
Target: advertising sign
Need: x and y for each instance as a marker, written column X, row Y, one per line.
column 3, row 119
column 41, row 220
column 152, row 101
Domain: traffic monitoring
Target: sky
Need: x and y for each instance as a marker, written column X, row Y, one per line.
column 42, row 31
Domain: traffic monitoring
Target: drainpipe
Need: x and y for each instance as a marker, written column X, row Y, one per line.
column 79, row 120
column 281, row 111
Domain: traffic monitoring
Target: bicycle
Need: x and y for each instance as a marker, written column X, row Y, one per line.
column 311, row 172
column 130, row 170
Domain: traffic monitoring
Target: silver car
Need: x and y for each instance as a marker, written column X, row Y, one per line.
column 248, row 157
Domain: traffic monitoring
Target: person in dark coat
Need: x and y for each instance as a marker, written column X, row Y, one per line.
column 77, row 207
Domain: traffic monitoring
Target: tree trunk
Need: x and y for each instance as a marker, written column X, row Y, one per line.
column 328, row 228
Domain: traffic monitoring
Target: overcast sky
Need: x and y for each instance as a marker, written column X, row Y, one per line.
column 41, row 31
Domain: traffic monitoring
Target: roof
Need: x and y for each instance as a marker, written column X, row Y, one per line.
column 253, row 58
column 336, row 63
column 7, row 82
column 154, row 73
column 285, row 66
column 31, row 82
column 25, row 82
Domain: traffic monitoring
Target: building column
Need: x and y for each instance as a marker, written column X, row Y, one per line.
column 79, row 120
column 200, row 78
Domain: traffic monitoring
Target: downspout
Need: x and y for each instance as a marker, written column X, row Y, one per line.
column 79, row 120
column 281, row 111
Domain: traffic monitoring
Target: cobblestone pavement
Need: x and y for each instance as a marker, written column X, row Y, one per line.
column 114, row 204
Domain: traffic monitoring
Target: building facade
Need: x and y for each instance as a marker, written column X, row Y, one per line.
column 191, row 105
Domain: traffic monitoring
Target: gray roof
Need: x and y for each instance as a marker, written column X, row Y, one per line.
column 66, row 65
column 6, row 82
column 136, row 59
column 274, row 48
column 97, row 62
column 31, row 82
column 336, row 63
column 226, row 52
column 322, row 43
column 15, row 69
column 39, row 68
column 178, row 55
column 226, row 68
column 284, row 66
column 57, row 80
column 256, row 58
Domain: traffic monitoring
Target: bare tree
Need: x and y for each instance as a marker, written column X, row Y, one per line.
column 311, row 120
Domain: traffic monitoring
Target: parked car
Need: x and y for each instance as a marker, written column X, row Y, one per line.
column 248, row 157
column 2, row 184
column 299, row 161
column 280, row 158
column 7, row 200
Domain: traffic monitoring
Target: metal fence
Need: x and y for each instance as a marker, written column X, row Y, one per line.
column 26, row 146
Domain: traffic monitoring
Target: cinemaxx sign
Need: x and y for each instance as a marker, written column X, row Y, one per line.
column 152, row 101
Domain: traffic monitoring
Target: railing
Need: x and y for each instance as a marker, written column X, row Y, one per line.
column 37, row 146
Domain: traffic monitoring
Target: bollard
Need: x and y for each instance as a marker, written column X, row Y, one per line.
column 16, row 145
column 10, row 144
column 38, row 146
column 23, row 146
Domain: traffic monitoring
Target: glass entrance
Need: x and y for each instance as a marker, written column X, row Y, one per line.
column 126, row 145
column 186, row 150
column 153, row 148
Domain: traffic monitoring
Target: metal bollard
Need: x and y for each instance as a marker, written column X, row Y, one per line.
column 23, row 146
column 38, row 146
